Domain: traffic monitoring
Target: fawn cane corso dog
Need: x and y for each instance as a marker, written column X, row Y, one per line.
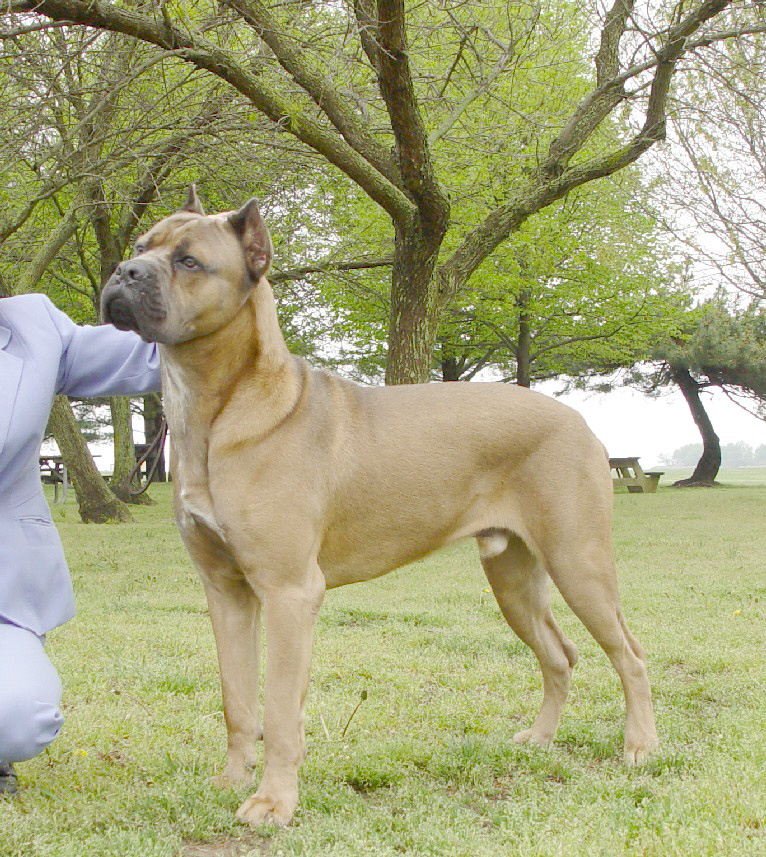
column 289, row 481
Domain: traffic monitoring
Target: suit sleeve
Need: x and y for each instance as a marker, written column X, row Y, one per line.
column 103, row 361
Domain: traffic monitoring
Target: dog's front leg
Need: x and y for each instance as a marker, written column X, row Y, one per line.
column 235, row 616
column 289, row 619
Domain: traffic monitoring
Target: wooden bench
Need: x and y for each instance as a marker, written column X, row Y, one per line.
column 53, row 472
column 633, row 477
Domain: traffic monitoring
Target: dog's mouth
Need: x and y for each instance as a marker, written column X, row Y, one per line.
column 119, row 312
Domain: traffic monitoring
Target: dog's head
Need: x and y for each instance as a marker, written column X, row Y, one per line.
column 190, row 273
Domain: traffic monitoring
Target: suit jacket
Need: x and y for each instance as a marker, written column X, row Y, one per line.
column 42, row 352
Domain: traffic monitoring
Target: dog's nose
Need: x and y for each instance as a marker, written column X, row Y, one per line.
column 130, row 271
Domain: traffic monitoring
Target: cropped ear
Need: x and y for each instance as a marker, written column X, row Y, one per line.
column 251, row 230
column 192, row 203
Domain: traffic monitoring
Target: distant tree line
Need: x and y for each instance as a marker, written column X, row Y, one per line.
column 738, row 454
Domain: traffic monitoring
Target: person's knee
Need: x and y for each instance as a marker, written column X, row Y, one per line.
column 30, row 692
column 28, row 725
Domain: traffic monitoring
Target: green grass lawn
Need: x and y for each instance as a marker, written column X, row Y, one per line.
column 427, row 765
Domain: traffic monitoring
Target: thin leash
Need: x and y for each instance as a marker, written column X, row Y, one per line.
column 155, row 445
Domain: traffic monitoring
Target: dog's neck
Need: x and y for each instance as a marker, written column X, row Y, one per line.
column 201, row 379
column 199, row 375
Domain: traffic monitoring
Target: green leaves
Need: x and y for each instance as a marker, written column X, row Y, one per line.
column 582, row 287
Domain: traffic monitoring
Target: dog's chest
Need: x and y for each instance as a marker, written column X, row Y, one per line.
column 189, row 432
column 194, row 509
column 194, row 505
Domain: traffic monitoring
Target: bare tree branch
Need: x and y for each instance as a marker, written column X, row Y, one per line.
column 318, row 85
column 32, row 28
column 48, row 251
column 395, row 80
column 278, row 276
column 555, row 178
column 194, row 48
column 508, row 51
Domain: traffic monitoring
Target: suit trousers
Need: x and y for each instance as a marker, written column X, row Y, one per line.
column 30, row 693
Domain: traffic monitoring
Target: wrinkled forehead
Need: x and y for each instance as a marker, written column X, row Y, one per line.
column 187, row 227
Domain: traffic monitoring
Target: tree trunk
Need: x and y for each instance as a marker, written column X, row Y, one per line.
column 523, row 360
column 124, row 453
column 97, row 503
column 415, row 308
column 710, row 461
column 451, row 368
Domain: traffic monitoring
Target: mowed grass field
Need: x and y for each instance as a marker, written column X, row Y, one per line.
column 427, row 765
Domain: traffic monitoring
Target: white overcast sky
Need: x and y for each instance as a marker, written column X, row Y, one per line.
column 629, row 423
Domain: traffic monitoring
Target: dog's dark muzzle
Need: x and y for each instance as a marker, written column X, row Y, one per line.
column 117, row 310
column 131, row 298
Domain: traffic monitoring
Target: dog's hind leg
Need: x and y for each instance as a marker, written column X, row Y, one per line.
column 586, row 578
column 521, row 587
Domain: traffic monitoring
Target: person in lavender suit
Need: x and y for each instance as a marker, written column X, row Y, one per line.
column 42, row 353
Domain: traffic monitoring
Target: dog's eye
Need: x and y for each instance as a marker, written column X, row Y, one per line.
column 139, row 249
column 189, row 262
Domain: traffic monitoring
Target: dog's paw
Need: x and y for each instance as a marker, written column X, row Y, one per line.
column 637, row 752
column 534, row 737
column 261, row 808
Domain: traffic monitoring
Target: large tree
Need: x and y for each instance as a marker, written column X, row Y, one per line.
column 719, row 348
column 587, row 283
column 411, row 105
column 714, row 202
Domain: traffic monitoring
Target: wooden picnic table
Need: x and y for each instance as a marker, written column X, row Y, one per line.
column 630, row 473
column 53, row 472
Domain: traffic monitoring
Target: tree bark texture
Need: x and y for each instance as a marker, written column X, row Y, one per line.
column 97, row 503
column 414, row 318
column 710, row 461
